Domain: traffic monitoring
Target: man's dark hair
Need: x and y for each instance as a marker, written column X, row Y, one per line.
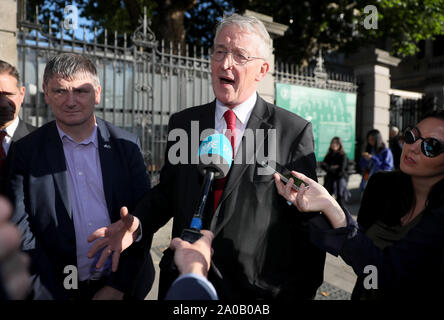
column 67, row 65
column 8, row 68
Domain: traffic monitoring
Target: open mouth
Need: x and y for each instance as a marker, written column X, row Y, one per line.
column 227, row 80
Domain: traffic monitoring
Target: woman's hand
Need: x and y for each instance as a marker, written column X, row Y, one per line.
column 316, row 198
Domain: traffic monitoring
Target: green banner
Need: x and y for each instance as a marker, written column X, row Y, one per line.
column 332, row 113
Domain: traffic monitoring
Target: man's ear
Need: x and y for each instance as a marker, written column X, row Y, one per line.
column 264, row 68
column 45, row 92
column 22, row 91
column 97, row 92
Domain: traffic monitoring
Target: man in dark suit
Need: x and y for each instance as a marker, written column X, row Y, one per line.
column 261, row 245
column 12, row 128
column 71, row 177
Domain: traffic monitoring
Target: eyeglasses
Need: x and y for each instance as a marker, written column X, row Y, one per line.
column 430, row 147
column 240, row 57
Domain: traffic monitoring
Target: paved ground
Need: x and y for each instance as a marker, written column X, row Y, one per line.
column 339, row 278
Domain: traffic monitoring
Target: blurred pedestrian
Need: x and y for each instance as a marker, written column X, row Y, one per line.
column 395, row 145
column 335, row 165
column 377, row 157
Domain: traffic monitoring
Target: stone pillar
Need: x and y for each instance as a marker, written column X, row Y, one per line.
column 8, row 31
column 372, row 70
column 266, row 88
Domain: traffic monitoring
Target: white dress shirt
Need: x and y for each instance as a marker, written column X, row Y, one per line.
column 242, row 112
column 10, row 130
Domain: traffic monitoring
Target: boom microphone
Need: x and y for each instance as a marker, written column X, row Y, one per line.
column 215, row 158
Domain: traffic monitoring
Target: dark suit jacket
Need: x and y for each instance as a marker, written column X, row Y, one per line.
column 43, row 212
column 261, row 244
column 22, row 130
column 190, row 289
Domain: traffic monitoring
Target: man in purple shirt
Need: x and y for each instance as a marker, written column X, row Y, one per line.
column 71, row 177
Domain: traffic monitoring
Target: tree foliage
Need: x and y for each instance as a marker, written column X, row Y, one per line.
column 167, row 16
column 339, row 25
column 313, row 25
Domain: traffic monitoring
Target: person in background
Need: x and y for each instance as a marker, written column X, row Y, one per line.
column 400, row 224
column 335, row 165
column 377, row 157
column 395, row 145
column 12, row 128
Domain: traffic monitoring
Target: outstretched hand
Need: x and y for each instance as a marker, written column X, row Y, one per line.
column 316, row 198
column 114, row 238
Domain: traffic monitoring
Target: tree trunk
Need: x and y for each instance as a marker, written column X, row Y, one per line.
column 171, row 18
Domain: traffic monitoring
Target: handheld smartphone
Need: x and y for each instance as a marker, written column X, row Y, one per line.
column 284, row 174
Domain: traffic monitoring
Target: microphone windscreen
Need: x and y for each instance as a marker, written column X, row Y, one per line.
column 216, row 154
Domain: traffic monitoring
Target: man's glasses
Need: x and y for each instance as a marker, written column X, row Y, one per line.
column 430, row 147
column 240, row 57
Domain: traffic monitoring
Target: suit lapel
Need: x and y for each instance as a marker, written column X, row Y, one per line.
column 57, row 162
column 245, row 158
column 20, row 132
column 106, row 164
column 207, row 119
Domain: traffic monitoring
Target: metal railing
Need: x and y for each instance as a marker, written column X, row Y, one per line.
column 316, row 77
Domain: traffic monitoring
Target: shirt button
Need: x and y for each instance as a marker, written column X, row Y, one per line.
column 89, row 224
column 80, row 173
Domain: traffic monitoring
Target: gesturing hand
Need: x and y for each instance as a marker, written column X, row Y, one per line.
column 116, row 238
column 314, row 199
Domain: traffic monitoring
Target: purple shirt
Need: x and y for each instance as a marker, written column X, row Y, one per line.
column 88, row 203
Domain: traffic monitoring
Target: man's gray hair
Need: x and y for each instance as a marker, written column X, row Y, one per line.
column 394, row 129
column 250, row 24
column 68, row 65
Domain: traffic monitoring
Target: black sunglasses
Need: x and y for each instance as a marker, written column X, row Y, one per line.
column 430, row 147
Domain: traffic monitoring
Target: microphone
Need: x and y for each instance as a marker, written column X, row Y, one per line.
column 215, row 159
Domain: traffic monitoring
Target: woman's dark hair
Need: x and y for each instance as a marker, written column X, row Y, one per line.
column 379, row 143
column 339, row 142
column 435, row 198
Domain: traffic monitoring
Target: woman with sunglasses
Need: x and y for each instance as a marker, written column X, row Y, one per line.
column 401, row 220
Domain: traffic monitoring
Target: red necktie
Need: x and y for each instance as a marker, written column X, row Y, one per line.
column 230, row 119
column 2, row 151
